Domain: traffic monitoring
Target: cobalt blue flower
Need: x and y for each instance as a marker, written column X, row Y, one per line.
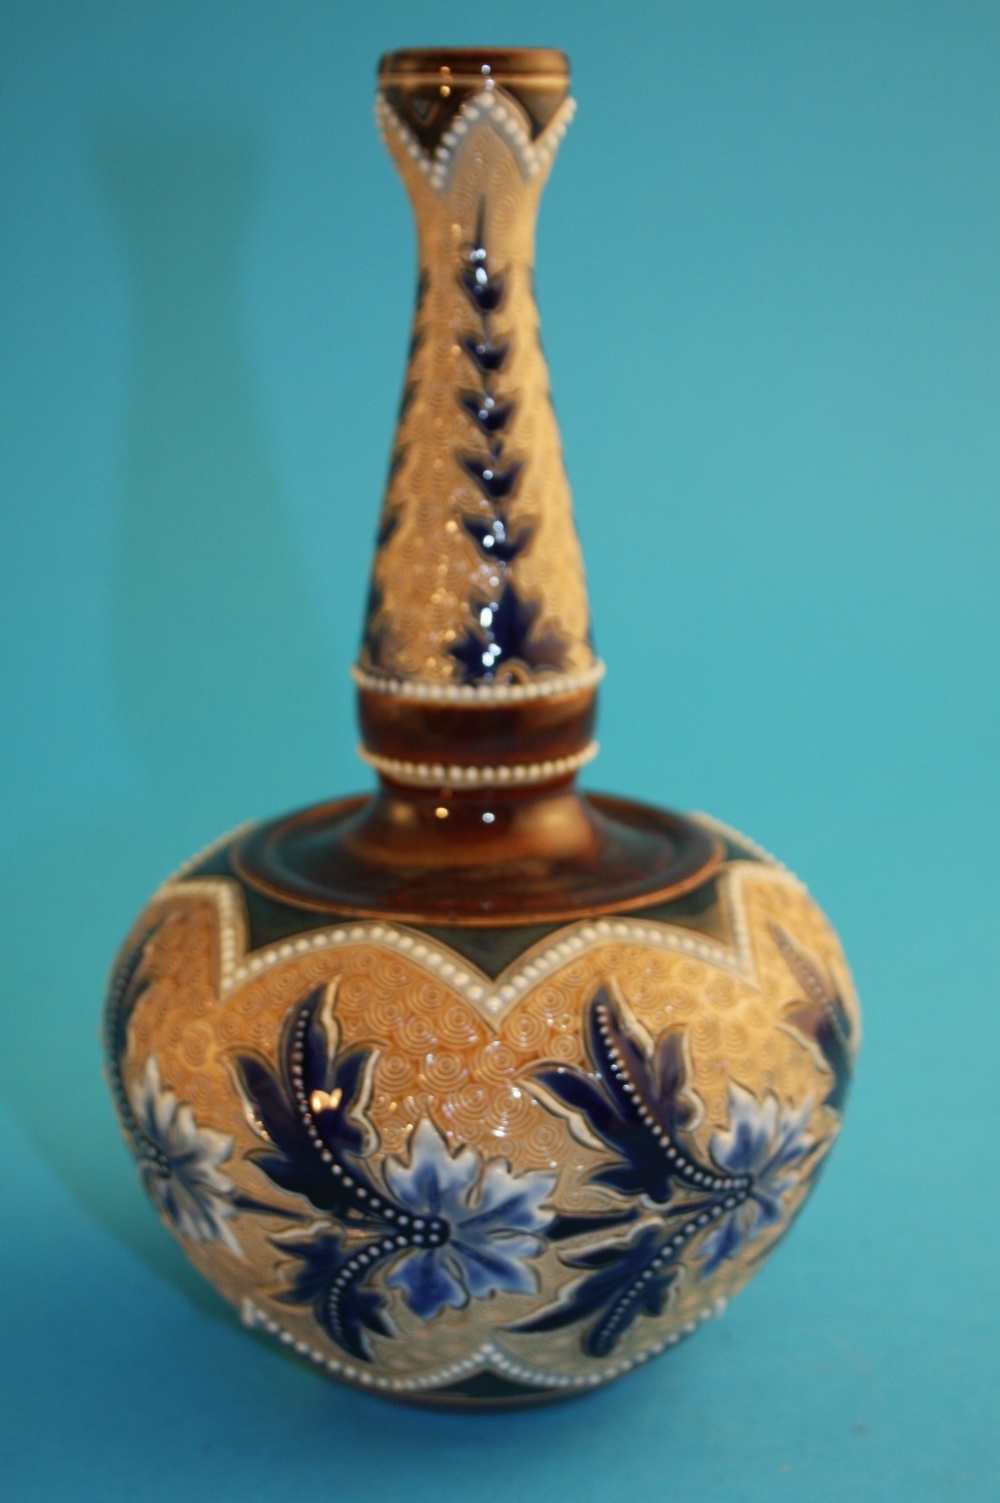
column 179, row 1163
column 493, row 1224
column 768, row 1143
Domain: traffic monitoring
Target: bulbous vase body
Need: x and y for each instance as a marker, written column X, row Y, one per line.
column 479, row 1090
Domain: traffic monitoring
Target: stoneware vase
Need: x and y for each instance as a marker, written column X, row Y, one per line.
column 478, row 1089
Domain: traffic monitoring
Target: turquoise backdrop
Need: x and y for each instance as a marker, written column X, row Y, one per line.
column 769, row 274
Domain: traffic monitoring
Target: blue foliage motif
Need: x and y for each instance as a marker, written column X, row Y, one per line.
column 447, row 1228
column 494, row 1218
column 505, row 639
column 180, row 1164
column 179, row 1161
column 636, row 1102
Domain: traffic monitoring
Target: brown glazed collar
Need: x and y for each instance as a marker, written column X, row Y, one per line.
column 467, row 65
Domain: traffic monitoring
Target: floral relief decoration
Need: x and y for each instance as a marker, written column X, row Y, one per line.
column 179, row 1161
column 444, row 1227
column 447, row 1228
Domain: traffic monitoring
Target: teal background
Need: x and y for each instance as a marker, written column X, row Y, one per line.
column 768, row 273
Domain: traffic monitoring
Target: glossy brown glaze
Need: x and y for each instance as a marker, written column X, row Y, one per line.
column 483, row 858
column 524, row 731
column 428, row 86
column 533, row 64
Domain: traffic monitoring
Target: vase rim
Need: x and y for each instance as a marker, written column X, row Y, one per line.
column 463, row 64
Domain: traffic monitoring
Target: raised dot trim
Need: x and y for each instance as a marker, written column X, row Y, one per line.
column 487, row 1356
column 467, row 775
column 486, row 106
column 491, row 998
column 545, row 687
column 728, row 831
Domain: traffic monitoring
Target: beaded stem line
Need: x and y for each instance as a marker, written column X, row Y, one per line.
column 546, row 686
column 515, row 774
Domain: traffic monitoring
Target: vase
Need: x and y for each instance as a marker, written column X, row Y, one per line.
column 479, row 1090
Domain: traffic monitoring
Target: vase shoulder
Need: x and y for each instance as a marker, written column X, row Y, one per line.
column 477, row 860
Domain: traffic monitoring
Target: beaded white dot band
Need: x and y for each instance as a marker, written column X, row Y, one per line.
column 479, row 694
column 532, row 156
column 510, row 775
column 486, row 1357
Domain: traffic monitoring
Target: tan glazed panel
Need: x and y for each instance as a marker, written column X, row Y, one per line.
column 748, row 985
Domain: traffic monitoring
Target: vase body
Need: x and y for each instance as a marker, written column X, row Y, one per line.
column 479, row 1090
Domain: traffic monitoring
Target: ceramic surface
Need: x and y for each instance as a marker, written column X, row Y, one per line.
column 481, row 1165
column 479, row 1090
column 478, row 578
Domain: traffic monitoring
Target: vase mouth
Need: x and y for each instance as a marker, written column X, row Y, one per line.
column 467, row 65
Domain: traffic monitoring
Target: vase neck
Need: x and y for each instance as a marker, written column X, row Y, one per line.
column 478, row 597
